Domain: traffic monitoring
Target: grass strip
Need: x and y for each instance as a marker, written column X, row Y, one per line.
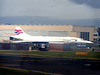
column 52, row 54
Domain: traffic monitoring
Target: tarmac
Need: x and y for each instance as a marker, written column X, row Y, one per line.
column 51, row 66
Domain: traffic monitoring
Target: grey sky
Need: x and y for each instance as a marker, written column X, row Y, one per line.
column 91, row 3
column 60, row 9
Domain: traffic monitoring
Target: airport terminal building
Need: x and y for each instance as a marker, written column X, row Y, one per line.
column 89, row 33
column 86, row 32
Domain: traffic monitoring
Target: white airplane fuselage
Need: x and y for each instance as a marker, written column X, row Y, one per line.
column 21, row 35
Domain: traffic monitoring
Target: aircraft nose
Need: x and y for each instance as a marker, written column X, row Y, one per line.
column 89, row 42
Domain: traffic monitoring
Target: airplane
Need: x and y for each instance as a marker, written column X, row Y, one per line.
column 21, row 36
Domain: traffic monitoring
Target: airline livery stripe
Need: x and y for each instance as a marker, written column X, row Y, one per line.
column 17, row 30
column 18, row 33
column 73, row 39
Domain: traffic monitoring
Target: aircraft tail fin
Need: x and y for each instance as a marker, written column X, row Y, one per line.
column 20, row 32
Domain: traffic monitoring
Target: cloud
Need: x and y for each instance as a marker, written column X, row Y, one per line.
column 91, row 3
column 59, row 9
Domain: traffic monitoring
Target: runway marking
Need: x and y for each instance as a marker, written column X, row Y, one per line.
column 4, row 64
column 46, row 60
column 18, row 69
column 12, row 65
column 29, row 60
column 87, row 64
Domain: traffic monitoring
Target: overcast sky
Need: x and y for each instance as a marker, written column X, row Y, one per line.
column 60, row 9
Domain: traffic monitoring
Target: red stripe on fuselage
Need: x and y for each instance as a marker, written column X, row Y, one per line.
column 73, row 39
